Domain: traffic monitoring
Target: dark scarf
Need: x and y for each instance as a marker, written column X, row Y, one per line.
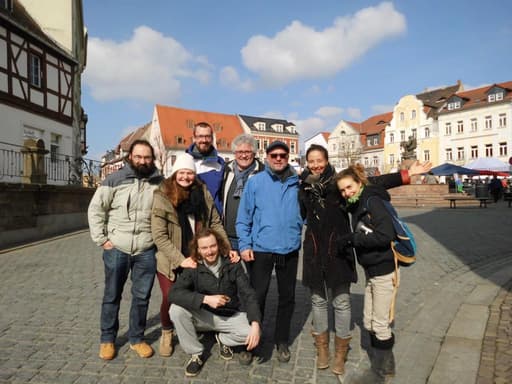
column 241, row 178
column 316, row 187
column 195, row 205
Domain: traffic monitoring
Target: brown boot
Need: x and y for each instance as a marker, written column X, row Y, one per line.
column 322, row 350
column 341, row 346
column 165, row 349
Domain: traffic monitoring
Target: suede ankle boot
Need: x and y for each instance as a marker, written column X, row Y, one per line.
column 341, row 346
column 322, row 349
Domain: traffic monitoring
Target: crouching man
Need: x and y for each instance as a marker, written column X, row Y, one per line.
column 208, row 298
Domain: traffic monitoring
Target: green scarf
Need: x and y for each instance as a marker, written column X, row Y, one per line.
column 354, row 199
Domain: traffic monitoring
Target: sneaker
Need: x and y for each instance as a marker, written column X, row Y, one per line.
column 245, row 357
column 226, row 352
column 283, row 353
column 143, row 349
column 194, row 366
column 107, row 351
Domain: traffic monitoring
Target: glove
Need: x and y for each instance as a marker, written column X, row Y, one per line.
column 344, row 241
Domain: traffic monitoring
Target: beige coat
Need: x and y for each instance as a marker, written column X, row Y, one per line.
column 166, row 231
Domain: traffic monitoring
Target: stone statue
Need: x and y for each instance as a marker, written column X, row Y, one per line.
column 409, row 147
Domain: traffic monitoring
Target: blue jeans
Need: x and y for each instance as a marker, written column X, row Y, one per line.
column 117, row 268
column 340, row 299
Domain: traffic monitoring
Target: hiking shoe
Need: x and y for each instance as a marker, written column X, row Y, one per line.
column 283, row 353
column 226, row 353
column 194, row 366
column 107, row 351
column 143, row 349
column 245, row 357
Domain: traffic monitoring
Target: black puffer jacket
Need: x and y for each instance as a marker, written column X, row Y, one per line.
column 373, row 249
column 323, row 208
column 192, row 285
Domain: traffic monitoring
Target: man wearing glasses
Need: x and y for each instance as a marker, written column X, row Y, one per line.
column 236, row 174
column 209, row 165
column 269, row 227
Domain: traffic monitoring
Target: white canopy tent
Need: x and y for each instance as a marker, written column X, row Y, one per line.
column 488, row 164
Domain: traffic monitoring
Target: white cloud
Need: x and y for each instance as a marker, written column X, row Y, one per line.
column 299, row 51
column 329, row 112
column 149, row 67
column 353, row 113
column 229, row 77
column 310, row 127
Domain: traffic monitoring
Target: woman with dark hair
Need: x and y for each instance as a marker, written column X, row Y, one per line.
column 181, row 206
column 327, row 271
column 372, row 232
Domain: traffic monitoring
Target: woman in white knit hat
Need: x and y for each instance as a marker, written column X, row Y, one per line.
column 181, row 206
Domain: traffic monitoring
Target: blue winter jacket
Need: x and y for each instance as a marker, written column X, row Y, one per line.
column 269, row 218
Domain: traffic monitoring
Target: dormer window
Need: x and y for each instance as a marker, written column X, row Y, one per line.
column 495, row 97
column 291, row 129
column 260, row 126
column 453, row 105
column 278, row 127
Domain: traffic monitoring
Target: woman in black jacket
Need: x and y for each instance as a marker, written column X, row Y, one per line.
column 326, row 271
column 371, row 234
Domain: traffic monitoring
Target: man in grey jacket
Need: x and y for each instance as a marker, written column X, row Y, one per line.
column 120, row 222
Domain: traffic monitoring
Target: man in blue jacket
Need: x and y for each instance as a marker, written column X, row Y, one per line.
column 209, row 165
column 269, row 227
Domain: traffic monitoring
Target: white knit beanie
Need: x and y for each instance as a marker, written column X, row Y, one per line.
column 184, row 161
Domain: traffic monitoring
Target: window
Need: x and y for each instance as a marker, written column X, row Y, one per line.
column 495, row 97
column 503, row 149
column 488, row 122
column 292, row 147
column 502, row 120
column 426, row 155
column 427, row 132
column 375, row 161
column 392, row 159
column 54, row 147
column 488, row 150
column 372, row 140
column 449, row 155
column 265, row 144
column 413, row 114
column 474, row 125
column 474, row 151
column 179, row 140
column 460, row 126
column 453, row 105
column 291, row 128
column 278, row 127
column 260, row 126
column 6, row 4
column 402, row 135
column 258, row 144
column 366, row 162
column 491, row 98
column 402, row 116
column 460, row 153
column 391, row 137
column 448, row 129
column 414, row 133
column 34, row 70
column 499, row 96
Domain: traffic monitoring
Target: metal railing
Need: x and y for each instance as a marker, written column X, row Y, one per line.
column 59, row 169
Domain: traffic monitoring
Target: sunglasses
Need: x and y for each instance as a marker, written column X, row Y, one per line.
column 278, row 155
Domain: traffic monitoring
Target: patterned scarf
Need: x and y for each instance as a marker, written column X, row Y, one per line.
column 241, row 178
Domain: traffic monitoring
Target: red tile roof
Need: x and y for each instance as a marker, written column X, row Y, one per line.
column 326, row 136
column 178, row 123
column 376, row 123
column 139, row 133
column 478, row 96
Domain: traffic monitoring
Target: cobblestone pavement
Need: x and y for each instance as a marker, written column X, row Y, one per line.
column 50, row 295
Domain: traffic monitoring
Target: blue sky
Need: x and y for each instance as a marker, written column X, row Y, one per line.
column 312, row 63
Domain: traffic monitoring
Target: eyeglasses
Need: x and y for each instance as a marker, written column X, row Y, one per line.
column 204, row 137
column 244, row 153
column 278, row 155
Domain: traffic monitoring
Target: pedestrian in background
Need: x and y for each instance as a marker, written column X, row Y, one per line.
column 181, row 206
column 371, row 236
column 327, row 272
column 236, row 174
column 209, row 165
column 210, row 298
column 269, row 227
column 119, row 220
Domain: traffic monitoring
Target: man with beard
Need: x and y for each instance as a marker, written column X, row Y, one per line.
column 119, row 220
column 209, row 165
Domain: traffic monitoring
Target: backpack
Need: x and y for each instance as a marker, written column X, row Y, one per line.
column 404, row 246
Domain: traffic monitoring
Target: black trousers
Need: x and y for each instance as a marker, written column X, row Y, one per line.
column 260, row 273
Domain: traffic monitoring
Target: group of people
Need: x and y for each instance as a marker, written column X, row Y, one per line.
column 192, row 229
